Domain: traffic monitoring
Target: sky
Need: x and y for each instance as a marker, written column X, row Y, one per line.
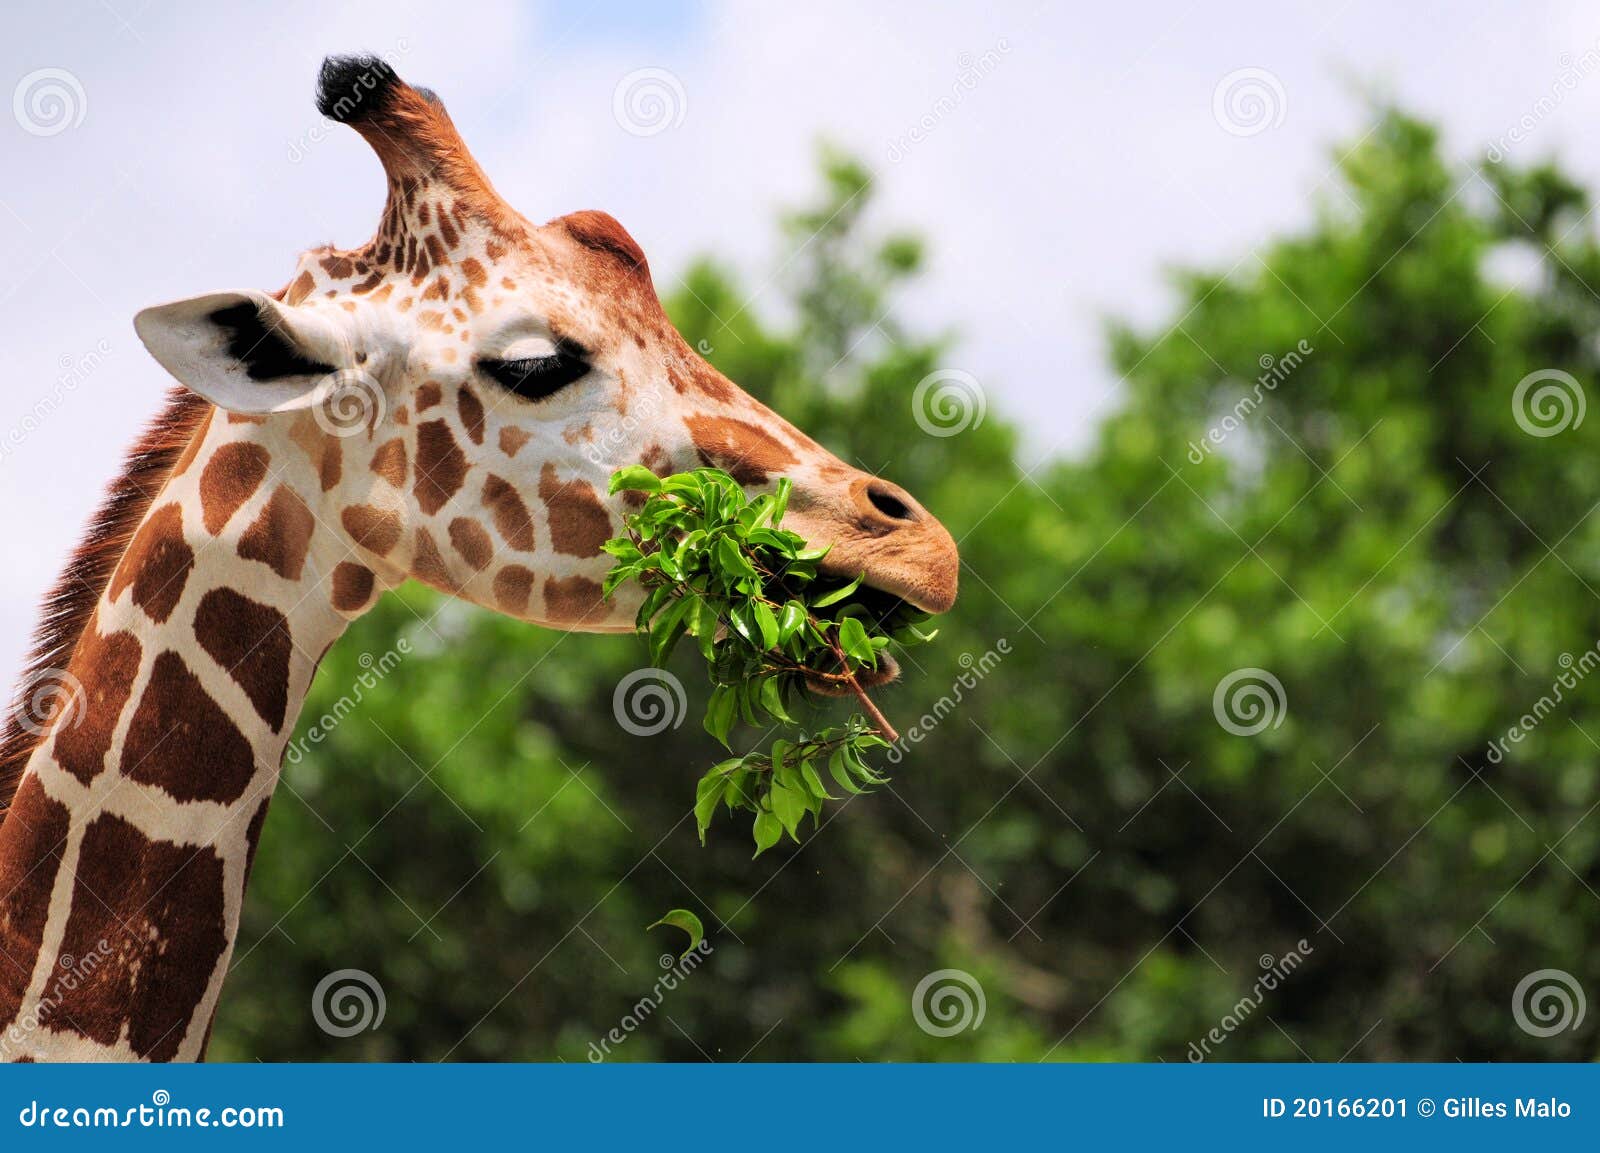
column 1059, row 159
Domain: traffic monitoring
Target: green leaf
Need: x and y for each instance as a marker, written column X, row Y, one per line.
column 706, row 795
column 720, row 712
column 808, row 770
column 791, row 621
column 854, row 641
column 772, row 700
column 765, row 623
column 789, row 805
column 838, row 594
column 688, row 922
column 634, row 478
column 768, row 830
column 840, row 772
column 780, row 500
column 732, row 559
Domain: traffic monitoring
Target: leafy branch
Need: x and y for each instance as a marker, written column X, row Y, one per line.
column 715, row 565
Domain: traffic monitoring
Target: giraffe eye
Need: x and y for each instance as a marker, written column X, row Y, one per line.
column 536, row 377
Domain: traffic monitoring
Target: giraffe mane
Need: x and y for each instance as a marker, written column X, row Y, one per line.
column 70, row 603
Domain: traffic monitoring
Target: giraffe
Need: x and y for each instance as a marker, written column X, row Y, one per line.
column 445, row 404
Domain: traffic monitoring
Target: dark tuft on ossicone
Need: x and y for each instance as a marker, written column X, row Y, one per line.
column 351, row 88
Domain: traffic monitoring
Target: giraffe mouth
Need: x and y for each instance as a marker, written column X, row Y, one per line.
column 887, row 611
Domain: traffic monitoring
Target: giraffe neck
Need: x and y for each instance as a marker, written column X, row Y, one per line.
column 124, row 855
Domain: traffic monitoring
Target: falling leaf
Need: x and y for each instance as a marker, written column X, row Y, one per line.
column 688, row 922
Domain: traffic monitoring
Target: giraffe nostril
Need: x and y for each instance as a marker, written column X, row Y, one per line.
column 883, row 499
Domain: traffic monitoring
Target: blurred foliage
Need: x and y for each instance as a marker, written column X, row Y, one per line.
column 1080, row 834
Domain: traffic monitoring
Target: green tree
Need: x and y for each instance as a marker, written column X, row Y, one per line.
column 1093, row 834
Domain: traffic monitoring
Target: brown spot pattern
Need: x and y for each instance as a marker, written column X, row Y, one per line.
column 180, row 739
column 471, row 409
column 441, row 466
column 230, row 477
column 300, row 289
column 352, row 586
column 30, row 856
column 512, row 587
column 427, row 396
column 579, row 523
column 157, row 564
column 512, row 439
column 428, row 566
column 572, row 599
column 164, row 925
column 251, row 641
column 389, row 462
column 331, row 466
column 193, row 448
column 472, row 541
column 280, row 536
column 749, row 453
column 511, row 516
column 372, row 528
column 108, row 664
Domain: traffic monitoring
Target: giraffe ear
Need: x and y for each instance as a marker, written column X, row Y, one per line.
column 243, row 351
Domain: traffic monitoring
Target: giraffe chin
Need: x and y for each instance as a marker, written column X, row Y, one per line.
column 888, row 670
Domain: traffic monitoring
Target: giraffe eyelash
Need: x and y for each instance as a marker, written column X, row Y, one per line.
column 537, row 377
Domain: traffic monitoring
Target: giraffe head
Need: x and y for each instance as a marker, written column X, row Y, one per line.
column 465, row 383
